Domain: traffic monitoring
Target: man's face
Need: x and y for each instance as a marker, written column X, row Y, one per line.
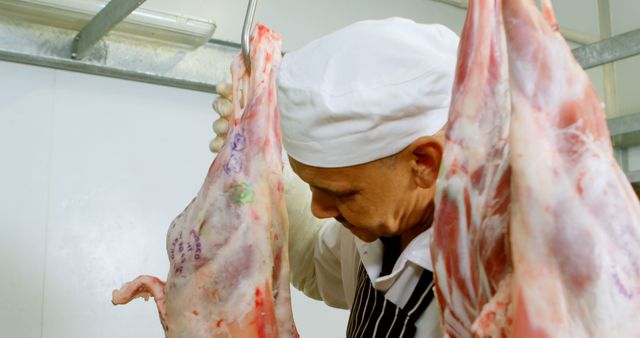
column 372, row 200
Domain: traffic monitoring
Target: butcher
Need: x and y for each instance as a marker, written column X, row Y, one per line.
column 363, row 112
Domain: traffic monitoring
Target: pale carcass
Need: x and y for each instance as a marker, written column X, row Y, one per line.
column 575, row 225
column 469, row 248
column 573, row 232
column 229, row 271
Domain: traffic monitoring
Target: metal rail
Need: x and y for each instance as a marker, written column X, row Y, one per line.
column 137, row 60
column 113, row 13
column 96, row 69
column 609, row 50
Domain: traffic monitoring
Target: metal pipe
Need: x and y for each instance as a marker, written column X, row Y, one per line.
column 113, row 13
column 246, row 32
column 609, row 50
column 102, row 70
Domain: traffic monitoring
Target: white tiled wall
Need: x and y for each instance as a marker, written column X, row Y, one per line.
column 25, row 134
column 92, row 171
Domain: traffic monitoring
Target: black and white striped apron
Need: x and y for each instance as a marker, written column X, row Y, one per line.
column 372, row 315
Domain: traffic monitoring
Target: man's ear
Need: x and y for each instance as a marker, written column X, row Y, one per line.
column 427, row 156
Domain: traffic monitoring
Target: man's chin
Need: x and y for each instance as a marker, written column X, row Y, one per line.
column 364, row 235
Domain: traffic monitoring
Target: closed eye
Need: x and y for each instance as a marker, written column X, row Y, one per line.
column 341, row 195
column 346, row 196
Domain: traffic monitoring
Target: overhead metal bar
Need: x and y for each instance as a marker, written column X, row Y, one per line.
column 96, row 69
column 147, row 61
column 609, row 50
column 113, row 13
column 224, row 43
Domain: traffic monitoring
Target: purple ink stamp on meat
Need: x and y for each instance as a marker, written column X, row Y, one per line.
column 233, row 166
column 198, row 244
column 239, row 142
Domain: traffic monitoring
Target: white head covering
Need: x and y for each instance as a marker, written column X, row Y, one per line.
column 366, row 91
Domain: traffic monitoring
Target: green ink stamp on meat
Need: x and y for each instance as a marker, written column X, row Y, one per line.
column 242, row 193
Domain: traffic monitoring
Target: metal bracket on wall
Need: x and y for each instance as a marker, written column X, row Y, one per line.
column 609, row 50
column 113, row 13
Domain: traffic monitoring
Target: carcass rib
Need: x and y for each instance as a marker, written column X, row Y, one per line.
column 229, row 271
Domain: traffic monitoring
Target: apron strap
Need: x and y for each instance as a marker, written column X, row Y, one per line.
column 373, row 316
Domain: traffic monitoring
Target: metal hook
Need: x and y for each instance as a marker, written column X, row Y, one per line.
column 246, row 32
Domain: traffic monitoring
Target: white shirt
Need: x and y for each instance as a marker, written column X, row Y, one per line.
column 336, row 279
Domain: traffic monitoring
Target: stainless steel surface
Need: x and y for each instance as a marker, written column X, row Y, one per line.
column 246, row 32
column 609, row 50
column 112, row 14
column 119, row 56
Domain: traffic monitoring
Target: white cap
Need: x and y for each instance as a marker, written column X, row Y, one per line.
column 366, row 91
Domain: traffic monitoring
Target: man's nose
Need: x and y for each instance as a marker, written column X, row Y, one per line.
column 323, row 205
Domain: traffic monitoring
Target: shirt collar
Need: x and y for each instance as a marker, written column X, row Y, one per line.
column 417, row 252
